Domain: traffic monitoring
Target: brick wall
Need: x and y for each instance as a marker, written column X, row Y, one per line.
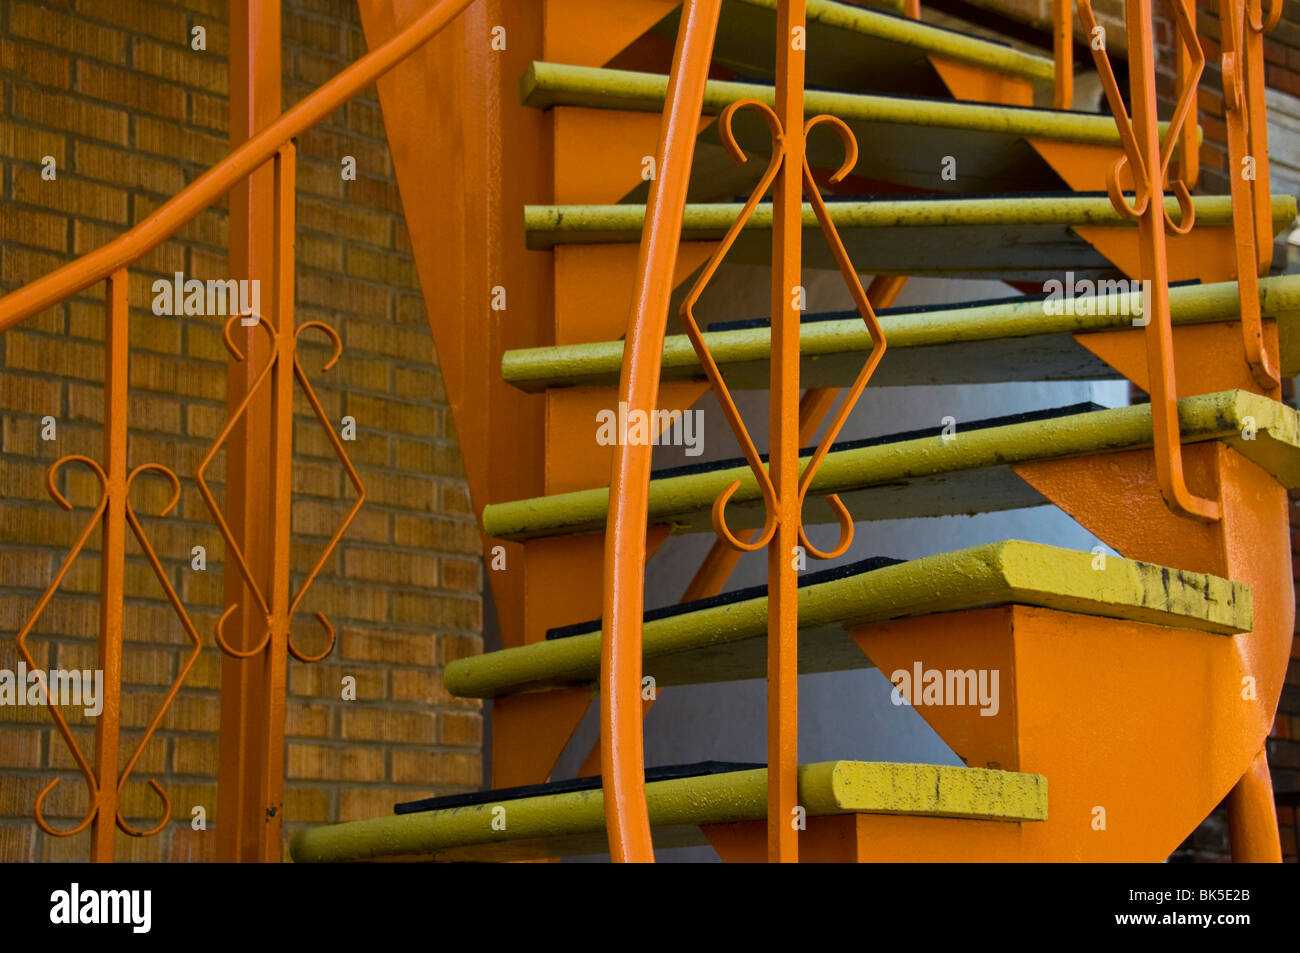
column 131, row 114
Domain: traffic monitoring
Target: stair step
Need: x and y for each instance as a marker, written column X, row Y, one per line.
column 903, row 139
column 589, row 783
column 726, row 639
column 982, row 342
column 572, row 823
column 907, row 476
column 854, row 48
column 1013, row 238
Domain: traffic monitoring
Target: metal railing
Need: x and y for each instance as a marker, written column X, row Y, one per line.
column 794, row 421
column 275, row 604
column 783, row 485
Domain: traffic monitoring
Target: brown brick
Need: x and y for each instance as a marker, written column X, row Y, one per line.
column 414, row 767
column 424, row 687
column 138, row 16
column 400, row 648
column 393, row 727
column 462, row 575
column 31, row 144
column 70, row 194
column 335, row 292
column 70, row 113
column 460, row 728
column 382, row 267
column 435, row 533
column 330, row 219
column 201, row 69
column 419, row 384
column 307, row 721
column 210, row 112
column 323, row 681
column 389, row 339
column 455, row 500
column 356, row 803
column 458, row 647
column 175, row 141
column 437, row 612
column 17, row 842
column 35, row 64
column 314, row 518
column 68, row 33
column 330, row 763
column 20, row 746
column 395, row 568
column 320, row 141
column 37, row 395
column 195, row 754
column 130, row 89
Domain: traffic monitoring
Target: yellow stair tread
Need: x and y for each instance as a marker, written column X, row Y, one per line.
column 962, row 344
column 1015, row 238
column 928, row 476
column 908, row 136
column 573, row 824
column 855, row 48
column 728, row 641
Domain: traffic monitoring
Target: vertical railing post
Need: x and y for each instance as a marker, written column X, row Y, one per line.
column 1063, row 53
column 277, row 655
column 1189, row 145
column 1155, row 269
column 254, row 102
column 1148, row 161
column 112, row 562
column 783, row 417
column 1248, row 173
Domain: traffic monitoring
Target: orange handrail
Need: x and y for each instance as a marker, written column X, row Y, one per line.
column 211, row 185
column 622, row 763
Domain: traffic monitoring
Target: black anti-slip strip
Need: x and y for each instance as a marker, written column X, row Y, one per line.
column 1026, row 417
column 737, row 595
column 665, row 773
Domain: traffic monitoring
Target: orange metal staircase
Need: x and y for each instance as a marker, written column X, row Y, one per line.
column 1140, row 728
column 560, row 168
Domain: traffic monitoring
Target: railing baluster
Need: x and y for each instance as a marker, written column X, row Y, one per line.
column 1148, row 161
column 112, row 561
column 277, row 658
column 262, row 766
column 1063, row 54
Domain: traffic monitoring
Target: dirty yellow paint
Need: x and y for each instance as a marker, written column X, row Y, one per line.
column 575, row 822
column 915, row 35
column 726, row 642
column 685, row 501
column 545, row 85
column 599, row 364
column 551, row 225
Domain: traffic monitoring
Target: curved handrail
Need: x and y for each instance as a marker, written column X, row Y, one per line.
column 211, row 185
column 622, row 763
